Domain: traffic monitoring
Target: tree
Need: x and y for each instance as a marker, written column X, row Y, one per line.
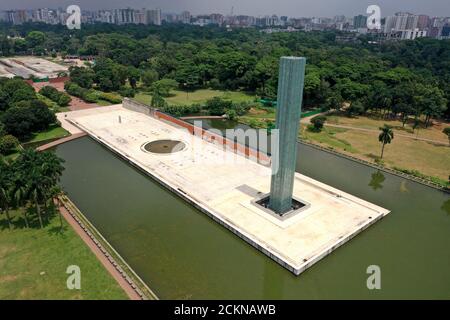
column 149, row 76
column 8, row 143
column 36, row 174
column 158, row 101
column 447, row 132
column 218, row 106
column 386, row 136
column 265, row 69
column 54, row 193
column 164, row 86
column 18, row 122
column 35, row 39
column 5, row 190
column 318, row 122
column 133, row 77
column 84, row 77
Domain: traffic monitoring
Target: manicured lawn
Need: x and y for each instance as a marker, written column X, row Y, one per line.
column 54, row 132
column 198, row 96
column 33, row 264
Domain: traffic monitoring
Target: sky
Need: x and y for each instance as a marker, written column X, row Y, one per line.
column 291, row 8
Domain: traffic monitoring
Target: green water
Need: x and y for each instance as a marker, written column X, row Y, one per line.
column 181, row 253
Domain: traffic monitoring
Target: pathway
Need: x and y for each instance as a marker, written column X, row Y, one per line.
column 60, row 141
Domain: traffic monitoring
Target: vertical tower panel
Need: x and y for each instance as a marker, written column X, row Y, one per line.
column 289, row 101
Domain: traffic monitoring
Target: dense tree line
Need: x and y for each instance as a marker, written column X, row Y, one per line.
column 30, row 182
column 21, row 112
column 398, row 79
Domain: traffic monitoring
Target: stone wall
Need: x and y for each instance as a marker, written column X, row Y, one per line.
column 133, row 105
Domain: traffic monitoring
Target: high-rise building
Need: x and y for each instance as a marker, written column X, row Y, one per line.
column 360, row 22
column 17, row 16
column 445, row 33
column 154, row 17
column 185, row 17
column 140, row 16
column 216, row 18
column 412, row 22
column 423, row 22
column 124, row 16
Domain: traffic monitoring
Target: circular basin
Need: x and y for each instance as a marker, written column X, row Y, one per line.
column 164, row 146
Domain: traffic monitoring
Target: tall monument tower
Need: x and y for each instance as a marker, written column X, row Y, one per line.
column 289, row 103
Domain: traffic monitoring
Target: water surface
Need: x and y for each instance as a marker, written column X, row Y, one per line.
column 181, row 253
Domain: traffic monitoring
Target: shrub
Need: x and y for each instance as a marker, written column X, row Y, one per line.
column 28, row 117
column 111, row 97
column 91, row 96
column 317, row 123
column 218, row 106
column 61, row 98
column 64, row 99
column 8, row 143
column 127, row 92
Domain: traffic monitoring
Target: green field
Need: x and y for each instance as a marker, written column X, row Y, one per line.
column 53, row 132
column 33, row 264
column 359, row 138
column 198, row 96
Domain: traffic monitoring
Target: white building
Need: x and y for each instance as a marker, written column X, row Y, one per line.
column 413, row 34
column 154, row 17
column 185, row 17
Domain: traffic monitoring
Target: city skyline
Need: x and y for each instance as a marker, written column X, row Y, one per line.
column 299, row 8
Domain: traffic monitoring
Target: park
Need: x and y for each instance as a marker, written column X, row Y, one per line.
column 133, row 219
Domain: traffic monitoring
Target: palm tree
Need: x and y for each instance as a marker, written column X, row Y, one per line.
column 5, row 189
column 36, row 190
column 54, row 194
column 20, row 198
column 385, row 137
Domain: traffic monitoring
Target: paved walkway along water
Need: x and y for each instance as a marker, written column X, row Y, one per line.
column 59, row 141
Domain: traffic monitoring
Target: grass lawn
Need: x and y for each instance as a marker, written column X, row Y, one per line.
column 33, row 264
column 199, row 96
column 403, row 153
column 433, row 132
column 53, row 132
column 104, row 103
column 328, row 136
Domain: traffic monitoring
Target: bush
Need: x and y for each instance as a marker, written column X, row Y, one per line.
column 61, row 98
column 317, row 123
column 181, row 110
column 8, row 143
column 127, row 92
column 75, row 90
column 111, row 97
column 28, row 117
column 218, row 106
column 64, row 100
column 231, row 114
column 91, row 96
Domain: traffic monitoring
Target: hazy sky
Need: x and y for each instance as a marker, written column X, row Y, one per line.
column 296, row 8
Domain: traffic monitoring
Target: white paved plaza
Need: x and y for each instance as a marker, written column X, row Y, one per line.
column 226, row 190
